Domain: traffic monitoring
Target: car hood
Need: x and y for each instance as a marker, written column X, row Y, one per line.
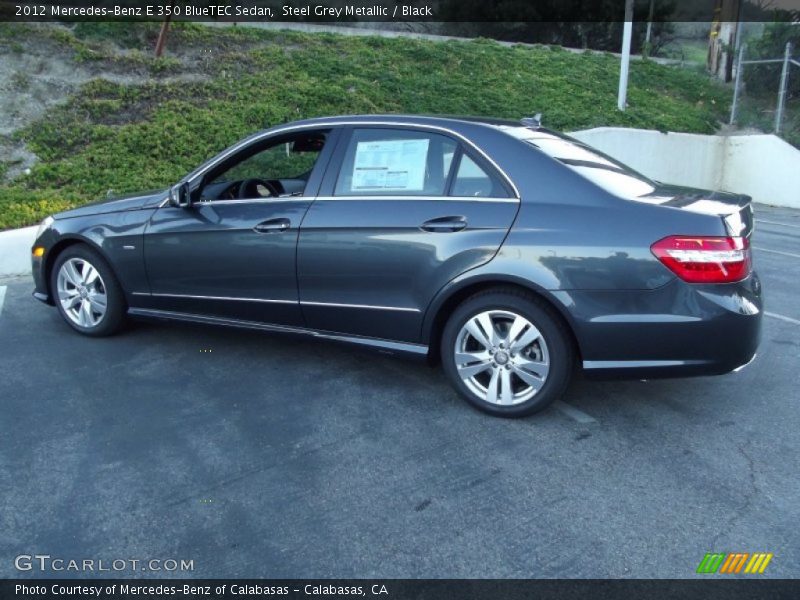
column 134, row 201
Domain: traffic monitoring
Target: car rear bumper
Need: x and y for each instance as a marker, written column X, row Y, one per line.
column 677, row 330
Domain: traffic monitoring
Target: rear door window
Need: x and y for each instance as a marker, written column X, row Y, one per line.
column 396, row 162
column 474, row 181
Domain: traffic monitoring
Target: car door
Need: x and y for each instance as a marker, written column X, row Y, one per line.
column 402, row 211
column 232, row 253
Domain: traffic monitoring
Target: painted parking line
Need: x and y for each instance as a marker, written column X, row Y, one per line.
column 782, row 318
column 574, row 413
column 790, row 254
column 2, row 297
column 777, row 223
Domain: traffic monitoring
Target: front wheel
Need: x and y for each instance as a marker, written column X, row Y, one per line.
column 87, row 293
column 507, row 353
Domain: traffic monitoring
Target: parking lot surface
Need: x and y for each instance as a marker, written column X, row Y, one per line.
column 269, row 456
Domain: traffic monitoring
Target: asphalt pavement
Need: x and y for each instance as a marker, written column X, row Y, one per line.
column 256, row 455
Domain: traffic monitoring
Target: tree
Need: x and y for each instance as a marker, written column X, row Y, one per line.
column 565, row 23
column 162, row 34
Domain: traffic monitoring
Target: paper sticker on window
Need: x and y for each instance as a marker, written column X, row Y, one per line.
column 390, row 165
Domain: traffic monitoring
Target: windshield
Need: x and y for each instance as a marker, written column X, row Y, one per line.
column 604, row 171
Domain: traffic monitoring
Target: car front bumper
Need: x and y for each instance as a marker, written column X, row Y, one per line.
column 41, row 289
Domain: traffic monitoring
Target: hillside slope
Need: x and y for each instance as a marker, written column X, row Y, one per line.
column 126, row 121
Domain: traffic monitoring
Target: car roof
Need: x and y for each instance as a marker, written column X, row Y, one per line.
column 447, row 121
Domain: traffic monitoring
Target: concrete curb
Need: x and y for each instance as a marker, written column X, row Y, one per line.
column 15, row 251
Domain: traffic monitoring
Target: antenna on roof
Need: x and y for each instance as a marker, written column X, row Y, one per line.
column 535, row 121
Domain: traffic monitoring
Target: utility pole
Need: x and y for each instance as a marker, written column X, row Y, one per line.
column 627, row 31
column 723, row 41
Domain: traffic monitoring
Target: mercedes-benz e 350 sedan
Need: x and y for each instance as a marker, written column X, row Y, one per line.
column 507, row 252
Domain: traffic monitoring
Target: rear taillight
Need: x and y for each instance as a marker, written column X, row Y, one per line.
column 704, row 259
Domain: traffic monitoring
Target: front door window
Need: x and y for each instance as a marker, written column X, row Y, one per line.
column 281, row 169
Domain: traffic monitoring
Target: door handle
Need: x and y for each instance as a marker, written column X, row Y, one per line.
column 445, row 224
column 272, row 226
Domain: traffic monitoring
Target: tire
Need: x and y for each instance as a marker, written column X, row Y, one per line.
column 519, row 378
column 79, row 292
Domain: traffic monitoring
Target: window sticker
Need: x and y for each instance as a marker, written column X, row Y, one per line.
column 390, row 165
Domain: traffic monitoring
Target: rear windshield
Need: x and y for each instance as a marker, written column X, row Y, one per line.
column 600, row 169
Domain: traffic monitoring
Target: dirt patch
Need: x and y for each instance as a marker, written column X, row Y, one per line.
column 39, row 70
column 15, row 159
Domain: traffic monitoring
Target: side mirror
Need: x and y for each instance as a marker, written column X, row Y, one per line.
column 179, row 196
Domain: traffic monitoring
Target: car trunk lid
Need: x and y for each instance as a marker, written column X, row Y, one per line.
column 736, row 210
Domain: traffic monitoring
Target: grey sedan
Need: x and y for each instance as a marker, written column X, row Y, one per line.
column 509, row 253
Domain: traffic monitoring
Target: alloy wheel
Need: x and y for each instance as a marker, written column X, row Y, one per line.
column 501, row 357
column 82, row 292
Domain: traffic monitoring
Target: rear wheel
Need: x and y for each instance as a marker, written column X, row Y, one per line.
column 86, row 292
column 507, row 353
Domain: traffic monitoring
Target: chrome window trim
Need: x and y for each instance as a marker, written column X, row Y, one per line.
column 408, row 197
column 254, row 200
column 426, row 198
column 255, row 138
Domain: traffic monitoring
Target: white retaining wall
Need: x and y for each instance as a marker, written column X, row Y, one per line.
column 760, row 165
column 763, row 166
column 15, row 251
